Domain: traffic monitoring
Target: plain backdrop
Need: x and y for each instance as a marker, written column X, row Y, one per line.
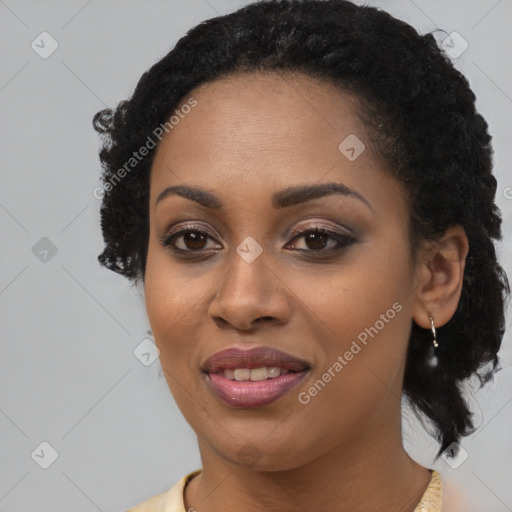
column 74, row 396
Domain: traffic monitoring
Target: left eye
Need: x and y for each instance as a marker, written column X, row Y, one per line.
column 317, row 238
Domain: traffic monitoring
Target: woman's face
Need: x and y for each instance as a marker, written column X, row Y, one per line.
column 342, row 307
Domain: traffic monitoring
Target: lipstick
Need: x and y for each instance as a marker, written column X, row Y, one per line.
column 255, row 377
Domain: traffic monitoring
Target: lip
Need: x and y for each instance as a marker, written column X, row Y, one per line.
column 252, row 394
column 249, row 394
column 256, row 357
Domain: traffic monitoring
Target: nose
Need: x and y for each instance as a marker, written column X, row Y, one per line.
column 250, row 294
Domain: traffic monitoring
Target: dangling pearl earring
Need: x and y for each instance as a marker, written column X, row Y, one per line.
column 432, row 360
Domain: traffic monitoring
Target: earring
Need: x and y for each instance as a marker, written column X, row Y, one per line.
column 432, row 360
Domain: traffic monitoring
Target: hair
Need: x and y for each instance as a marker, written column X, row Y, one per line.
column 421, row 118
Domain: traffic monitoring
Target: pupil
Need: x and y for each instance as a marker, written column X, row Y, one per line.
column 316, row 237
column 192, row 240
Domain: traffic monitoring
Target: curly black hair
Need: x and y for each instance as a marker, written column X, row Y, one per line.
column 421, row 117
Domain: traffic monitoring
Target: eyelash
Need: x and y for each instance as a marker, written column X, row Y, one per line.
column 343, row 241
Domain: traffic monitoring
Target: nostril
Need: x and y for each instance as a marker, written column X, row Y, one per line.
column 263, row 318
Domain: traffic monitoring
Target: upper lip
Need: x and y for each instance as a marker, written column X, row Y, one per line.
column 256, row 357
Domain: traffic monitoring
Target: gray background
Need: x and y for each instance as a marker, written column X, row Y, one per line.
column 69, row 327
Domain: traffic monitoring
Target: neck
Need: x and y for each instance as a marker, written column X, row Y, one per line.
column 372, row 472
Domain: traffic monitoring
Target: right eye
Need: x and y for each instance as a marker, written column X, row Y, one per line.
column 191, row 239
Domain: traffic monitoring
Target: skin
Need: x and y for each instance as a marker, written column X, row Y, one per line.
column 248, row 137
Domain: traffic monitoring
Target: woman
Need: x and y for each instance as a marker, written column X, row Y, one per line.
column 305, row 191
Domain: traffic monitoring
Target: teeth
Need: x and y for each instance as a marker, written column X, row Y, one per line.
column 274, row 371
column 255, row 374
column 242, row 374
column 258, row 373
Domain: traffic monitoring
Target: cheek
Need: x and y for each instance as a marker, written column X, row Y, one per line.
column 171, row 290
column 364, row 310
column 351, row 296
column 360, row 375
column 170, row 299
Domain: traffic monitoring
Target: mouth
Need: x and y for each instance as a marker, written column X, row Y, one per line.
column 250, row 378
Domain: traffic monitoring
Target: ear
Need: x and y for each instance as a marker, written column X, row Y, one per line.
column 440, row 272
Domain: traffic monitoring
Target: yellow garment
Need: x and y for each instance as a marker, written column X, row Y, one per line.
column 172, row 500
column 433, row 495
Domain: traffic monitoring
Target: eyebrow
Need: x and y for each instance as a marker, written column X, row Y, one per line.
column 290, row 196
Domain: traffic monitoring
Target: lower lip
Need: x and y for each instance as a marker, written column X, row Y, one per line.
column 251, row 394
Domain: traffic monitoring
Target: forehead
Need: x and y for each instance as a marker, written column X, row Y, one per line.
column 260, row 118
column 249, row 106
column 252, row 132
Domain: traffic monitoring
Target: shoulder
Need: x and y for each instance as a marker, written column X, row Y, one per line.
column 455, row 497
column 170, row 501
column 445, row 494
